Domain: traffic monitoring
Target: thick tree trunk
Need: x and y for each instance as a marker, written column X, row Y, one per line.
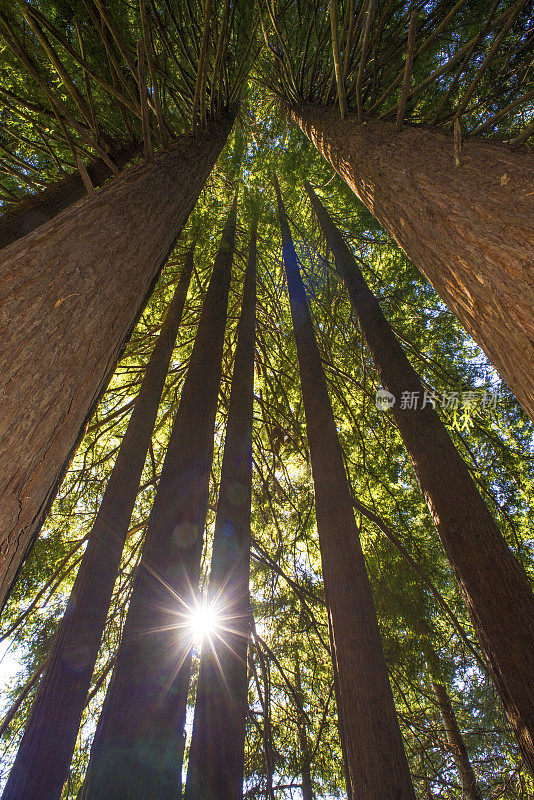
column 378, row 767
column 216, row 754
column 70, row 293
column 457, row 744
column 495, row 586
column 138, row 744
column 47, row 746
column 470, row 229
column 36, row 209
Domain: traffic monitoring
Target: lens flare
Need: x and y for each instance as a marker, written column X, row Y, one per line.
column 204, row 621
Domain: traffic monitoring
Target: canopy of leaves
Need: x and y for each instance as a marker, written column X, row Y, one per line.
column 71, row 78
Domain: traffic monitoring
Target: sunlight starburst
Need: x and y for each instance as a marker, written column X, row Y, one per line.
column 204, row 621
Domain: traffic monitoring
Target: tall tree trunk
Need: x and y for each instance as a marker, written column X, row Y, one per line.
column 377, row 763
column 139, row 737
column 304, row 744
column 70, row 294
column 47, row 746
column 216, row 754
column 457, row 744
column 269, row 754
column 495, row 586
column 470, row 229
column 341, row 723
column 38, row 208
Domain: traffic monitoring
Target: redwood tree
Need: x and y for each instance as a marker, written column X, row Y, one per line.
column 502, row 609
column 75, row 287
column 138, row 743
column 397, row 99
column 38, row 208
column 377, row 764
column 469, row 228
column 216, row 754
column 43, row 760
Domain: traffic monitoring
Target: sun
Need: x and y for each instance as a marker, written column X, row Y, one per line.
column 204, row 621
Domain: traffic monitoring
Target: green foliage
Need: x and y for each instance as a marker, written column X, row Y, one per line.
column 471, row 61
column 291, row 649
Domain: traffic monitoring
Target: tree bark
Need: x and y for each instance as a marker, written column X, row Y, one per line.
column 43, row 759
column 469, row 229
column 378, row 768
column 138, row 745
column 457, row 744
column 341, row 723
column 495, row 587
column 41, row 207
column 70, row 293
column 216, row 754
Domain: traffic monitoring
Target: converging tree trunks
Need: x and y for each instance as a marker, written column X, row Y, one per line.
column 41, row 207
column 502, row 609
column 265, row 489
column 70, row 294
column 42, row 761
column 377, row 771
column 217, row 749
column 469, row 226
column 138, row 746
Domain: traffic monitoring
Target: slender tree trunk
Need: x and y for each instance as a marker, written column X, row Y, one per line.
column 267, row 732
column 138, row 744
column 216, row 754
column 495, row 586
column 457, row 744
column 70, row 293
column 341, row 723
column 304, row 745
column 470, row 229
column 41, row 207
column 305, row 765
column 377, row 763
column 47, row 746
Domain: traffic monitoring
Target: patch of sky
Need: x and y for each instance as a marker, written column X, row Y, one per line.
column 10, row 666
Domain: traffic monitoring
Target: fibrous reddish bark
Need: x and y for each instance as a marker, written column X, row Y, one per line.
column 377, row 765
column 216, row 754
column 43, row 760
column 501, row 608
column 138, row 746
column 341, row 724
column 469, row 229
column 41, row 207
column 70, row 293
